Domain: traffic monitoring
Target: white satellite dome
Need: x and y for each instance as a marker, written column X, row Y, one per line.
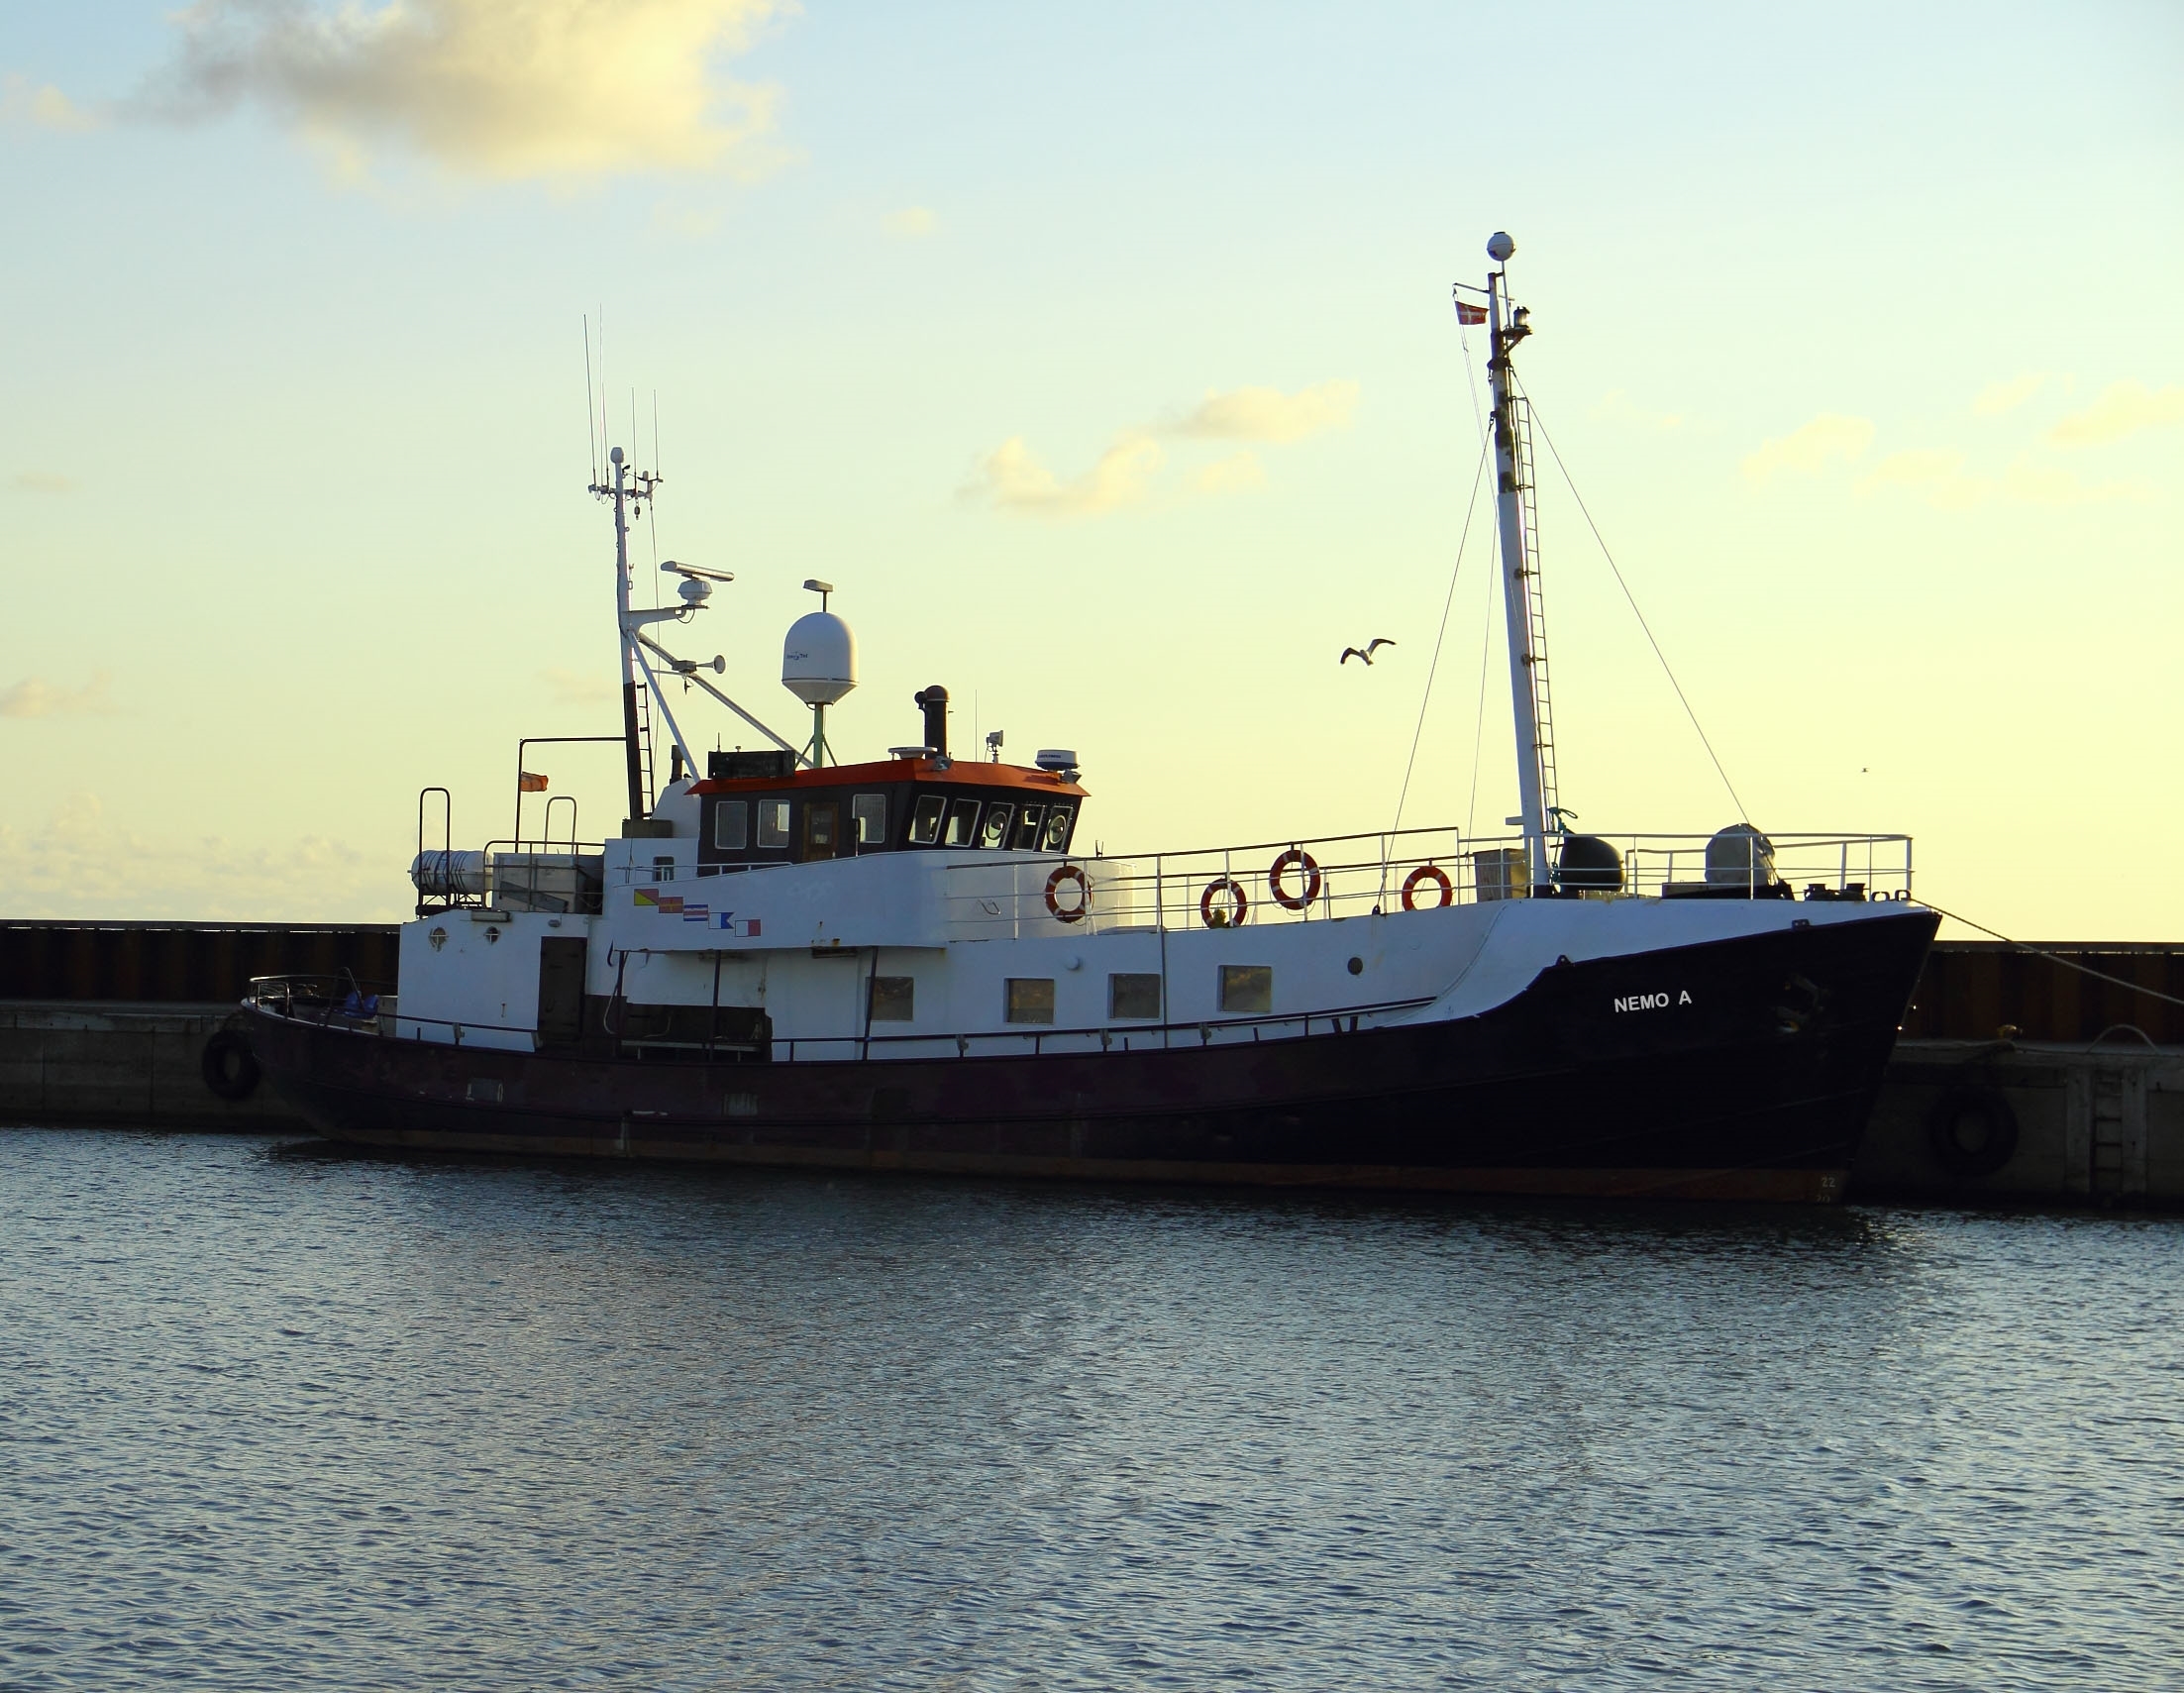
column 819, row 658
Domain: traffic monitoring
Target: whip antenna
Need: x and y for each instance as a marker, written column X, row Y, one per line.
column 592, row 442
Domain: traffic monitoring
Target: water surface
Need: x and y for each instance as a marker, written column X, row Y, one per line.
column 279, row 1418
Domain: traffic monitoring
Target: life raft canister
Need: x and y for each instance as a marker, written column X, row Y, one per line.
column 1435, row 874
column 1296, row 857
column 1069, row 913
column 1232, row 918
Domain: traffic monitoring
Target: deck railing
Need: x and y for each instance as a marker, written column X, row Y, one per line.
column 1307, row 881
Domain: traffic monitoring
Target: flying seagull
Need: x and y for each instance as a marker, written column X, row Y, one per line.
column 1365, row 651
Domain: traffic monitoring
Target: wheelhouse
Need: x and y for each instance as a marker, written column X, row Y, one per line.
column 756, row 809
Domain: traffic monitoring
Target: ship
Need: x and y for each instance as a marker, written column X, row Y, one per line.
column 912, row 962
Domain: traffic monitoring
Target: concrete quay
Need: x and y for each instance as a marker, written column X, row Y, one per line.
column 138, row 1065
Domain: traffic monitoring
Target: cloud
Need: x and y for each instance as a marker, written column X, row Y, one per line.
column 911, row 221
column 1012, row 478
column 1236, row 474
column 1268, row 414
column 507, row 90
column 1616, row 407
column 576, row 687
column 2028, row 484
column 81, row 863
column 1939, row 478
column 1808, row 450
column 40, row 482
column 35, row 697
column 2124, row 408
column 44, row 106
column 1998, row 397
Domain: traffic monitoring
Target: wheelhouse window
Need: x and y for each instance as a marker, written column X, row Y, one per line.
column 1247, row 987
column 962, row 824
column 772, row 822
column 731, row 825
column 1027, row 827
column 1133, row 996
column 894, row 999
column 1058, row 828
column 925, row 821
column 869, row 819
column 995, row 833
column 1029, row 999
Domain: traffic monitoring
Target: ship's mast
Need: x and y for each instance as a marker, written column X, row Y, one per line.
column 631, row 662
column 1521, row 600
column 642, row 696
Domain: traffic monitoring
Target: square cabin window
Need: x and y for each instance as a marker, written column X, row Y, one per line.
column 1027, row 827
column 962, row 824
column 925, row 821
column 1133, row 997
column 893, row 999
column 772, row 822
column 731, row 825
column 1029, row 999
column 1247, row 987
column 995, row 833
column 1058, row 828
column 869, row 819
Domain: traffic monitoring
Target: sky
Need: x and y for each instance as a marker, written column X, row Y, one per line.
column 1103, row 359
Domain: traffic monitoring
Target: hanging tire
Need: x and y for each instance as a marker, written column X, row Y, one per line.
column 229, row 1066
column 1973, row 1132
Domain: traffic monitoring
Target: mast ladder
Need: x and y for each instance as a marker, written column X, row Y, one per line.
column 644, row 744
column 1535, row 609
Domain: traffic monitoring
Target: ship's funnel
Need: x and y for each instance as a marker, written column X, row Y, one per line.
column 819, row 658
column 933, row 701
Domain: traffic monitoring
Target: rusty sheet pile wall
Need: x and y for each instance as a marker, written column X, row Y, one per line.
column 198, row 963
column 1974, row 989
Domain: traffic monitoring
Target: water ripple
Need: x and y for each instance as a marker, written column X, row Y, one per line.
column 273, row 1419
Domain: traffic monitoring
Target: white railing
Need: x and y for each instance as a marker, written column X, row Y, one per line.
column 1305, row 880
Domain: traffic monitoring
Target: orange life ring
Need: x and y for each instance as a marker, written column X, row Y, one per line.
column 1233, row 918
column 1075, row 913
column 1435, row 874
column 1295, row 856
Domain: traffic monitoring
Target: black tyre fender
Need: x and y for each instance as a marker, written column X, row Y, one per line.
column 229, row 1065
column 1973, row 1132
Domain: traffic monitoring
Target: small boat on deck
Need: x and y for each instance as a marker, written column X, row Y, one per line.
column 910, row 963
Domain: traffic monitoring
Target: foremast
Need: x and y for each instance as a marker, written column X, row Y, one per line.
column 1524, row 613
column 636, row 717
column 642, row 690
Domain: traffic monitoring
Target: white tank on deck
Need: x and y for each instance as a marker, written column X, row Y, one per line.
column 819, row 658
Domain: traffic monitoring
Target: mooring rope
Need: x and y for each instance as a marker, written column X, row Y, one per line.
column 2054, row 956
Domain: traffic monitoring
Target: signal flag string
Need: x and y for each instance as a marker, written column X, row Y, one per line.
column 1470, row 511
column 1479, row 426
